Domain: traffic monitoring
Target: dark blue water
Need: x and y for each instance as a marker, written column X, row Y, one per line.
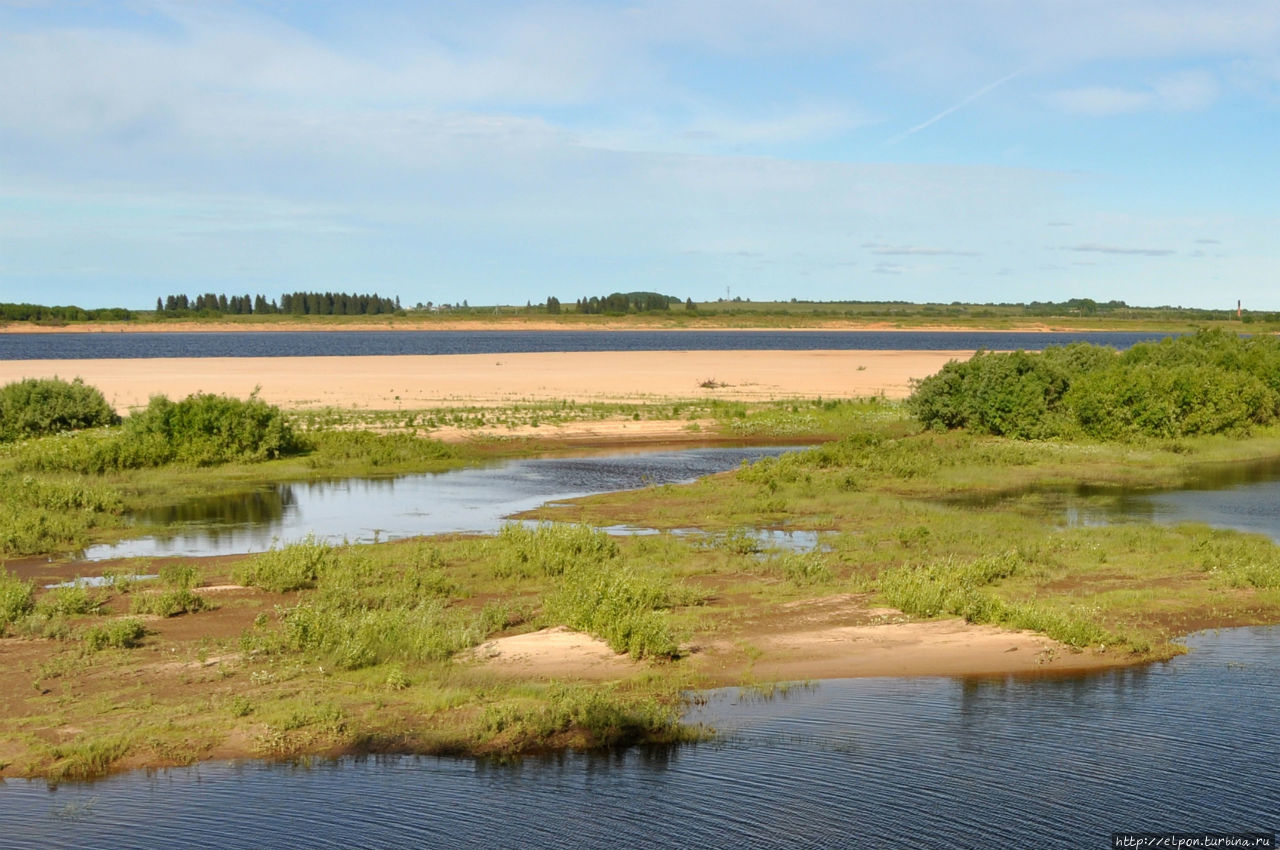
column 1191, row 745
column 21, row 346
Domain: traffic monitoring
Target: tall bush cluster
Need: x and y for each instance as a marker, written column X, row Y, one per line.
column 38, row 406
column 1211, row 382
column 205, row 429
column 200, row 430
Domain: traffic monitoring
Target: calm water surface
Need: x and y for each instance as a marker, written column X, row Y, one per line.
column 349, row 343
column 362, row 510
column 1020, row 763
column 1241, row 496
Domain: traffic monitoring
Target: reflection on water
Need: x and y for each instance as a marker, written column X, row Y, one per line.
column 1240, row 496
column 1046, row 762
column 258, row 507
column 765, row 539
column 364, row 510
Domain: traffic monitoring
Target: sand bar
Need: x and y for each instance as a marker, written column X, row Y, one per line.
column 424, row 381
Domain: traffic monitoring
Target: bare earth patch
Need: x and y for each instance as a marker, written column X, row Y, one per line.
column 553, row 653
column 840, row 637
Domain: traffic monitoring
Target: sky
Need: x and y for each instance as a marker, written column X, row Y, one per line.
column 502, row 152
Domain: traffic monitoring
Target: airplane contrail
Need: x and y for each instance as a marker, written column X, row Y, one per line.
column 944, row 113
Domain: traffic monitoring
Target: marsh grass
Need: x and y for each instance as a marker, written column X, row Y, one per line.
column 598, row 717
column 85, row 759
column 353, row 639
column 963, row 588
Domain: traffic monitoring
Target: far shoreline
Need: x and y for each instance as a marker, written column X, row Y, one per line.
column 519, row 323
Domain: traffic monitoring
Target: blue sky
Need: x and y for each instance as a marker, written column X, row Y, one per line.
column 939, row 150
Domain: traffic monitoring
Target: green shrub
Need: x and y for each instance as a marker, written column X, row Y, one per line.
column 119, row 634
column 69, row 601
column 292, row 567
column 617, row 605
column 604, row 715
column 1212, row 382
column 38, row 406
column 204, row 430
column 1169, row 401
column 548, row 549
column 200, row 430
column 17, row 598
column 179, row 576
column 168, row 603
column 803, row 568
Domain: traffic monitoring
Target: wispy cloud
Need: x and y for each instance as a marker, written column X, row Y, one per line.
column 955, row 106
column 1184, row 91
column 1095, row 248
column 915, row 251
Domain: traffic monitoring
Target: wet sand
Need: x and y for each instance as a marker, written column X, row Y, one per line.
column 424, row 381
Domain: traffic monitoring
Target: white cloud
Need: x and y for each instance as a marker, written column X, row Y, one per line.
column 1179, row 92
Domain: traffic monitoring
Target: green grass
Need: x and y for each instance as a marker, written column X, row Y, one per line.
column 623, row 606
column 85, row 759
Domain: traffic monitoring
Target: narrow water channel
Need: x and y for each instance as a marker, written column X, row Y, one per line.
column 361, row 510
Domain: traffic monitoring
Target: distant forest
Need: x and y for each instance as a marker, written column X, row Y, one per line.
column 623, row 302
column 291, row 303
column 41, row 313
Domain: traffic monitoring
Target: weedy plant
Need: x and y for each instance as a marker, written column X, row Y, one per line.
column 118, row 634
column 286, row 568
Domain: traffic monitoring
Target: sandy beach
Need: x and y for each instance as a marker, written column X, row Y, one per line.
column 424, row 381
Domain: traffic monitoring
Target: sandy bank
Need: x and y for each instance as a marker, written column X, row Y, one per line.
column 883, row 643
column 423, row 381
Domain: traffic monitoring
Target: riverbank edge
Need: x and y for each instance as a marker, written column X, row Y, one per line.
column 736, row 323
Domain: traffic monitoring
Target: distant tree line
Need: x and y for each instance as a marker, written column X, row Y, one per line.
column 625, row 302
column 41, row 313
column 290, row 303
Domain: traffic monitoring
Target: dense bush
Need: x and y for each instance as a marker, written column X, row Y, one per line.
column 17, row 597
column 205, row 429
column 200, row 430
column 1211, row 382
column 38, row 406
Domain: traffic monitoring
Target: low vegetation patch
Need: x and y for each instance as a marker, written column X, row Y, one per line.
column 17, row 598
column 293, row 567
column 623, row 607
column 118, row 634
